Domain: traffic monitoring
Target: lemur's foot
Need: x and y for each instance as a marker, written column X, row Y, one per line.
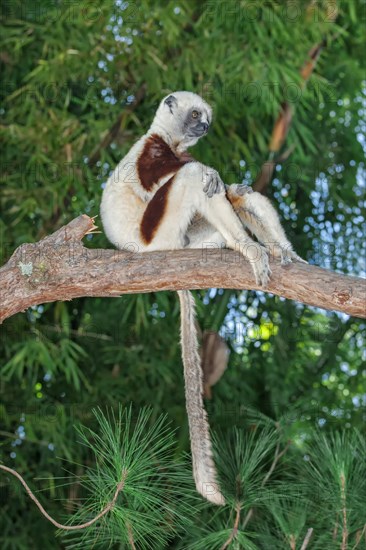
column 289, row 256
column 258, row 257
column 284, row 252
column 298, row 258
column 241, row 189
column 262, row 271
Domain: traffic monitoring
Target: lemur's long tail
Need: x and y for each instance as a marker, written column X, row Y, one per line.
column 204, row 470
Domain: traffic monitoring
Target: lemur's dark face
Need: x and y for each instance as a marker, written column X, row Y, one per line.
column 197, row 122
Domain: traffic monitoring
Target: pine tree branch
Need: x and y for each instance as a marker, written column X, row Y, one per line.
column 105, row 510
column 307, row 539
column 234, row 531
column 60, row 268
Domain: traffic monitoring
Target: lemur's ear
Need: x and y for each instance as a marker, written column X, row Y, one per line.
column 172, row 102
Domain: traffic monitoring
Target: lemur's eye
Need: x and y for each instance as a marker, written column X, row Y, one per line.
column 195, row 114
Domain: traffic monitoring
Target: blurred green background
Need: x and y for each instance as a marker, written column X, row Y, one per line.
column 80, row 83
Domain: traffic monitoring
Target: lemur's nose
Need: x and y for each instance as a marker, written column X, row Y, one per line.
column 204, row 126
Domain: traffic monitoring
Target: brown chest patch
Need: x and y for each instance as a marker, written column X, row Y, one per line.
column 155, row 211
column 157, row 160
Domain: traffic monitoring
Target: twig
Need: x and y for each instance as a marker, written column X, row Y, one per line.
column 307, row 539
column 234, row 531
column 107, row 508
column 130, row 535
column 344, row 513
column 277, row 457
column 359, row 536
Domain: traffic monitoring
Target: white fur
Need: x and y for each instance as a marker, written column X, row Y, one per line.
column 124, row 198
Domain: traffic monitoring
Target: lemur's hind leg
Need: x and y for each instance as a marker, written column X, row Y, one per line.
column 174, row 206
column 258, row 215
column 201, row 234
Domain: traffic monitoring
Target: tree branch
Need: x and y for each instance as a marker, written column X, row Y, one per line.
column 59, row 267
column 234, row 531
column 105, row 510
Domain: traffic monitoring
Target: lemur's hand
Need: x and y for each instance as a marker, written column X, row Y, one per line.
column 213, row 183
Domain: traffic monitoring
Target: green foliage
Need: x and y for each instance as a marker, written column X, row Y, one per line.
column 71, row 73
column 154, row 502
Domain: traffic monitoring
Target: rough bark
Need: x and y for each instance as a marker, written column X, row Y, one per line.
column 59, row 267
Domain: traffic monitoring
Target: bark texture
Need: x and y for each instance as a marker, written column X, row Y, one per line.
column 59, row 267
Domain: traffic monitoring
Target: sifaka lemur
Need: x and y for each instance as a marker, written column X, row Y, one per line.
column 160, row 198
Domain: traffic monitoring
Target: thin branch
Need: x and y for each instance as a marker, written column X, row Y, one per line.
column 105, row 510
column 359, row 536
column 278, row 455
column 307, row 539
column 344, row 513
column 130, row 535
column 234, row 531
column 60, row 268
